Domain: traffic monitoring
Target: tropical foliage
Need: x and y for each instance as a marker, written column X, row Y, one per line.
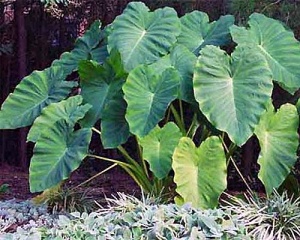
column 167, row 84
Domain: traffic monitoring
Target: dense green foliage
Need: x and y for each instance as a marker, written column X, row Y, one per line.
column 148, row 69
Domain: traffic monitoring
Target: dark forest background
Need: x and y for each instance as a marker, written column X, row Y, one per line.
column 32, row 36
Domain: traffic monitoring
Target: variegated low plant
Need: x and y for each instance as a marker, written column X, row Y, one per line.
column 166, row 82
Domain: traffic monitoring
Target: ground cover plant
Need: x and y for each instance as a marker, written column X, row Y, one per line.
column 275, row 218
column 127, row 217
column 187, row 92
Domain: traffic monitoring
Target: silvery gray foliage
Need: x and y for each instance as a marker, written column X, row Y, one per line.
column 126, row 217
column 29, row 217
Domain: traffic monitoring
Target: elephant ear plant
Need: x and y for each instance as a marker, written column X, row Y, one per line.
column 174, row 87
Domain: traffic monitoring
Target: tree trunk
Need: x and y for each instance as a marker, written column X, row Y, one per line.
column 22, row 71
column 2, row 81
column 43, row 40
column 5, row 83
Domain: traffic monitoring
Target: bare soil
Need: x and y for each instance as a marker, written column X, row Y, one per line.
column 105, row 185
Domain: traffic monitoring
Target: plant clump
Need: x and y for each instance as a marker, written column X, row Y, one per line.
column 275, row 218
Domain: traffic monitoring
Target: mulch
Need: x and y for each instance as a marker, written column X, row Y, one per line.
column 105, row 185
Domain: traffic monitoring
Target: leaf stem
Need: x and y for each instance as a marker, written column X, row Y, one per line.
column 205, row 133
column 136, row 173
column 236, row 167
column 93, row 177
column 109, row 160
column 193, row 127
column 178, row 119
column 96, row 130
column 127, row 156
column 138, row 169
column 166, row 120
column 181, row 112
column 231, row 150
column 140, row 154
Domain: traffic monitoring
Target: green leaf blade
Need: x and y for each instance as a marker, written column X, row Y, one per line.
column 99, row 85
column 84, row 47
column 200, row 173
column 278, row 45
column 142, row 37
column 114, row 127
column 148, row 96
column 197, row 32
column 68, row 110
column 32, row 94
column 183, row 61
column 58, row 152
column 278, row 138
column 232, row 92
column 158, row 147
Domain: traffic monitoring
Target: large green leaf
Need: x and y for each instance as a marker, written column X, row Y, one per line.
column 200, row 173
column 114, row 127
column 32, row 94
column 158, row 147
column 85, row 47
column 278, row 45
column 69, row 109
column 99, row 84
column 197, row 32
column 142, row 37
column 232, row 92
column 278, row 139
column 298, row 106
column 91, row 37
column 148, row 95
column 184, row 62
column 99, row 54
column 57, row 153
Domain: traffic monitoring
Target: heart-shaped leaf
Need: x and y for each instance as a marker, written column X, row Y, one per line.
column 232, row 92
column 278, row 139
column 148, row 95
column 184, row 62
column 99, row 84
column 84, row 47
column 114, row 127
column 197, row 32
column 200, row 173
column 158, row 147
column 69, row 110
column 142, row 37
column 57, row 153
column 32, row 94
column 278, row 45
